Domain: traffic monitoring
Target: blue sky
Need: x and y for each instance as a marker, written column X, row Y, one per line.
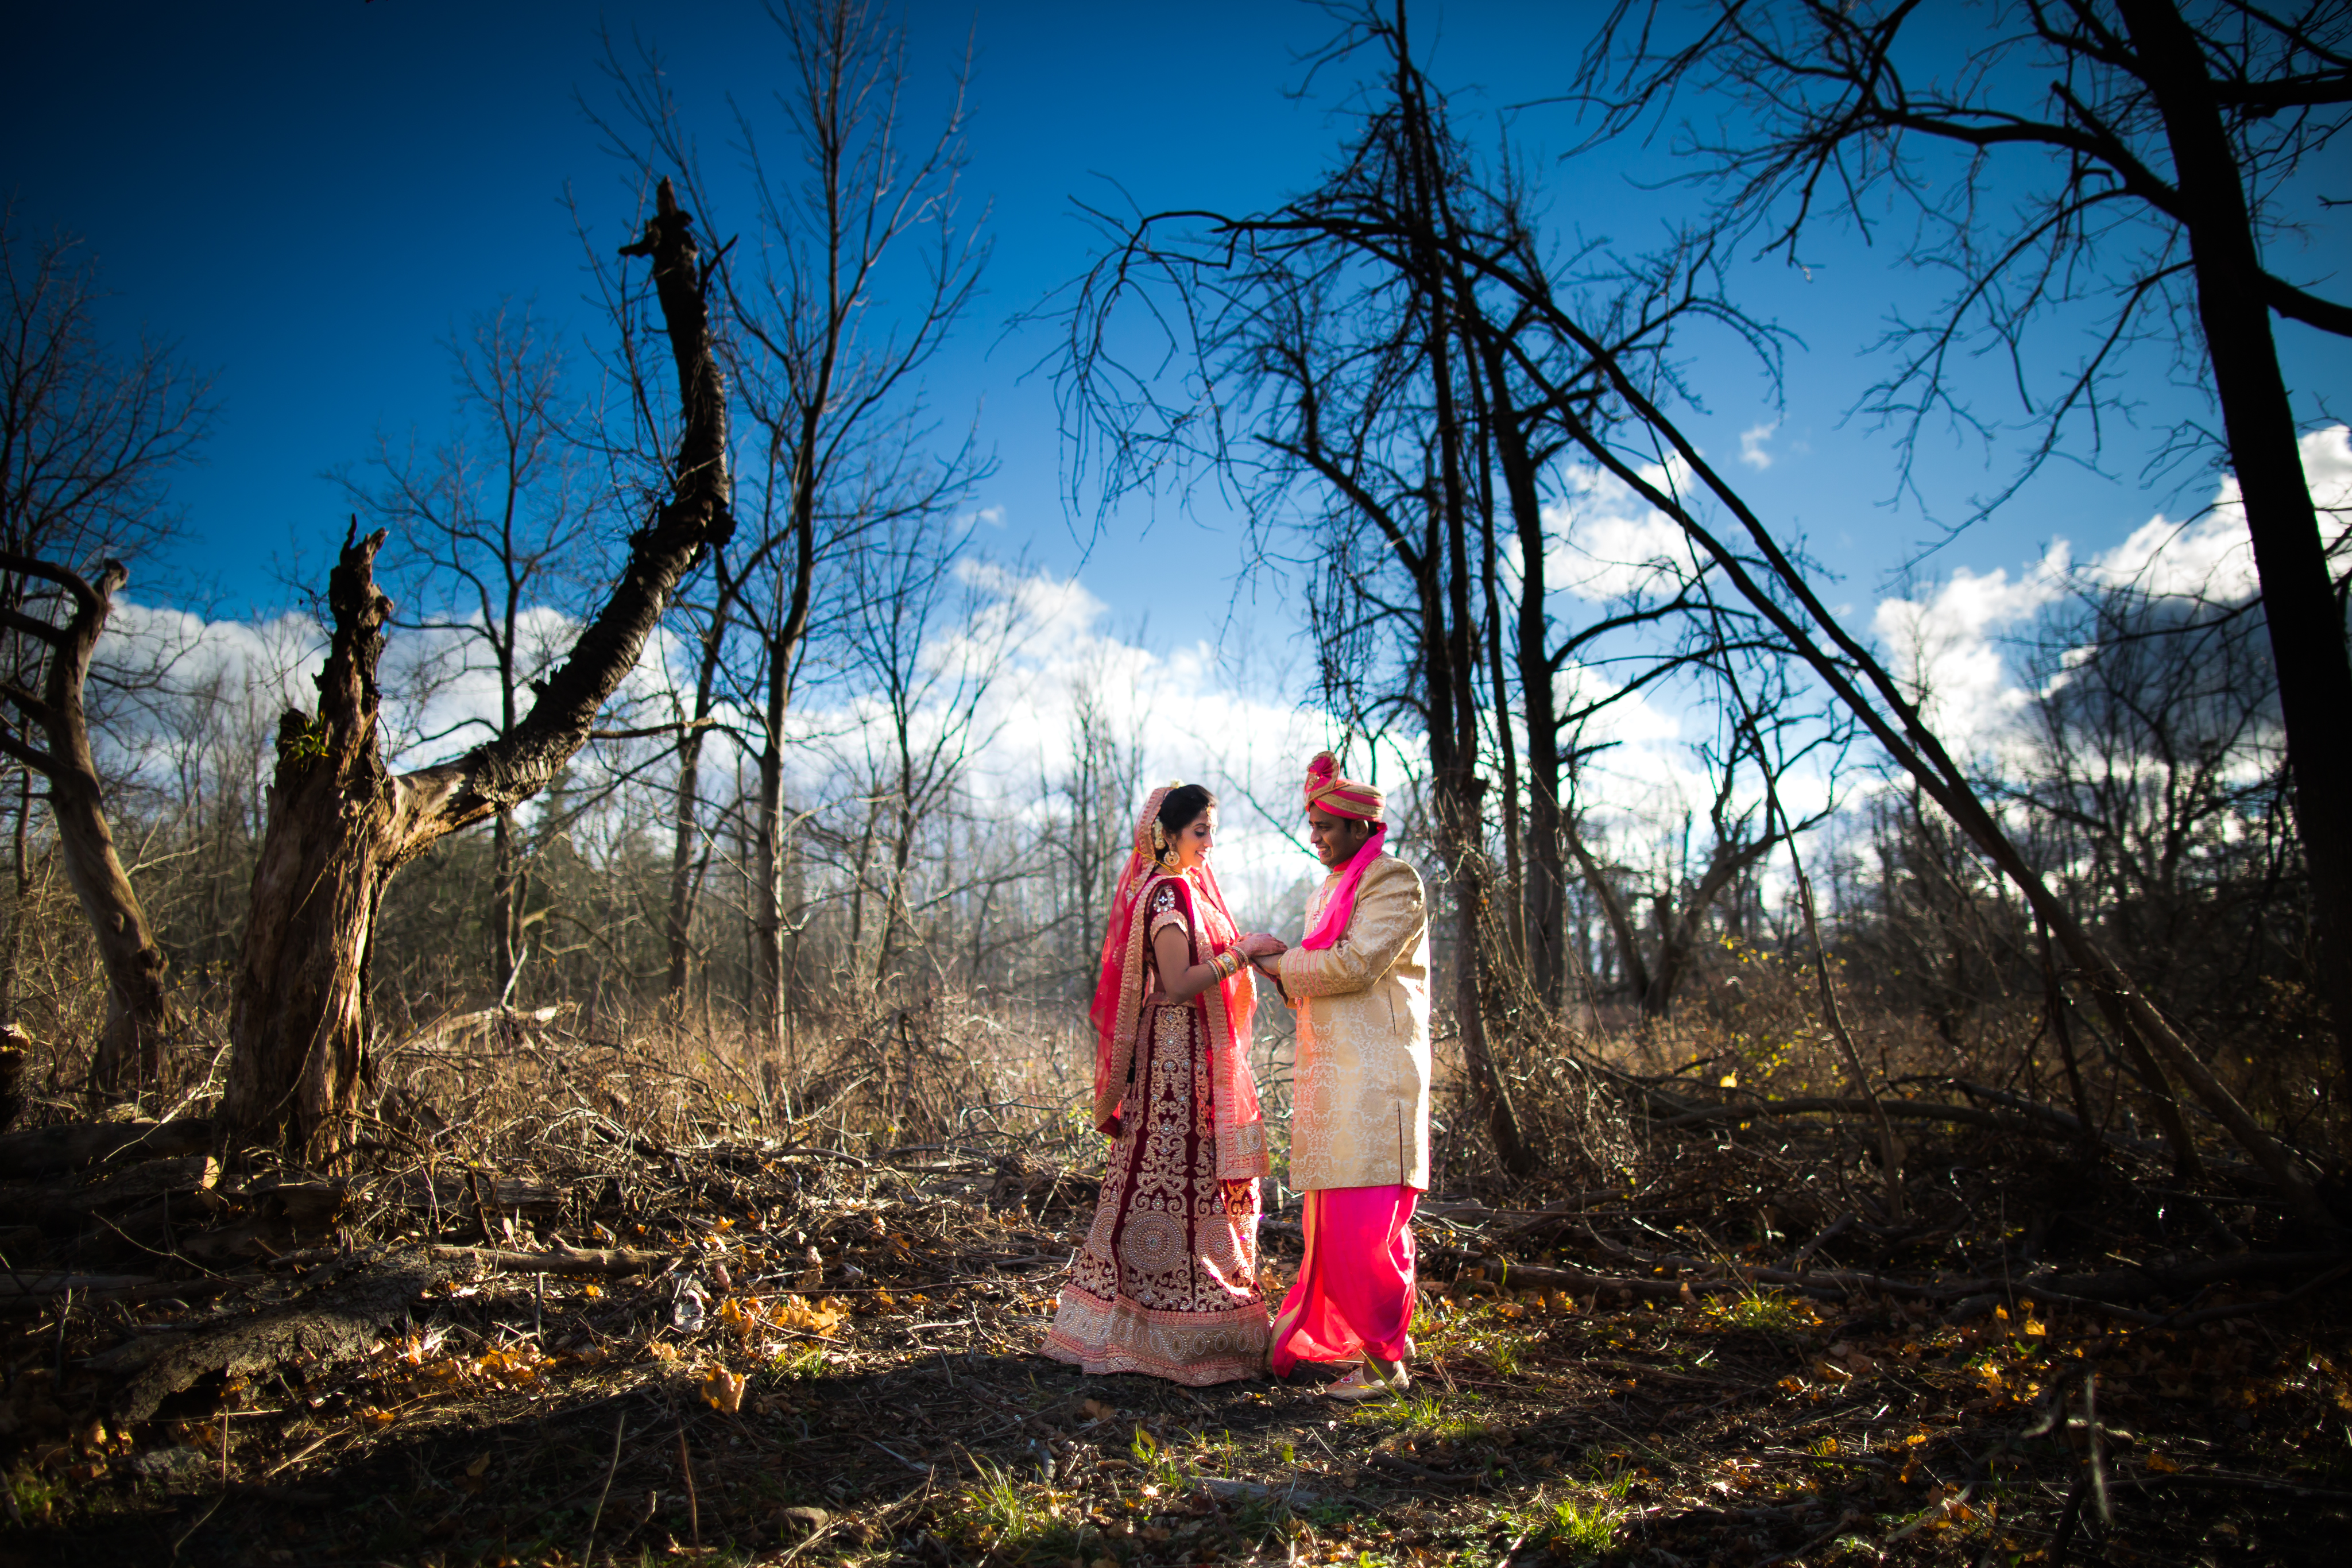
column 312, row 197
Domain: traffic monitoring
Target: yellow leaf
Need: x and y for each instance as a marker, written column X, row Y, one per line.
column 2162, row 1466
column 591, row 1291
column 481, row 1463
column 823, row 1318
column 724, row 1390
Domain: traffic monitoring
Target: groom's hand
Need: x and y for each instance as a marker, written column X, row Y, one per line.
column 1257, row 944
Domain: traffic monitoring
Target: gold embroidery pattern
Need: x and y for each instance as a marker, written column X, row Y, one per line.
column 1167, row 1281
column 1360, row 1092
column 1242, row 1154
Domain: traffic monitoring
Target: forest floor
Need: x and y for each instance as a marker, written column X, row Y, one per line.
column 782, row 1356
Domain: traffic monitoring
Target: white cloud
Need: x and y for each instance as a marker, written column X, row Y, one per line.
column 1751, row 445
column 1607, row 541
column 2209, row 556
column 1943, row 647
column 1946, row 643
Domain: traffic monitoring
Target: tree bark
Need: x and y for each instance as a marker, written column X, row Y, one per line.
column 2306, row 623
column 506, row 888
column 1545, row 891
column 1449, row 647
column 789, row 629
column 138, row 1016
column 341, row 823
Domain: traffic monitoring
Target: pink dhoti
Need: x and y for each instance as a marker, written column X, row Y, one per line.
column 1354, row 1291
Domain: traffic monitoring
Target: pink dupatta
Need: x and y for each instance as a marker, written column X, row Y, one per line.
column 1228, row 1009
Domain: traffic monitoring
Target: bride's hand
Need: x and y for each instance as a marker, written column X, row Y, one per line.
column 1258, row 944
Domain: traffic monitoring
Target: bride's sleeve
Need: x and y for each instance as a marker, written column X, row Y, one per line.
column 1168, row 907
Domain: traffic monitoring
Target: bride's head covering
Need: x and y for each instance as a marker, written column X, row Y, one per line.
column 1364, row 804
column 1111, row 979
column 1228, row 1007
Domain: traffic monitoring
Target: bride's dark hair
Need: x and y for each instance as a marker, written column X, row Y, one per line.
column 1183, row 807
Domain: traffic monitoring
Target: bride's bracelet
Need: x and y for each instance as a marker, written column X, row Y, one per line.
column 1228, row 963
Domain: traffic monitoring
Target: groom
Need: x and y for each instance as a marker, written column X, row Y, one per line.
column 1359, row 981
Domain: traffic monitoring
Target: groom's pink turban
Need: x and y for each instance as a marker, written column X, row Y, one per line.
column 1341, row 796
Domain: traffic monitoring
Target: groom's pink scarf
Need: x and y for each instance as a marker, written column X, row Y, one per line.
column 1342, row 905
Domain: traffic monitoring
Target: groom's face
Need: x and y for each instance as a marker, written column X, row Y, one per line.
column 1336, row 839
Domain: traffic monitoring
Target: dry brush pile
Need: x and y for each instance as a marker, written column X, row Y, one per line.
column 578, row 1301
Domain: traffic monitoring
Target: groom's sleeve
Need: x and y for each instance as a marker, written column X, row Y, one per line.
column 1386, row 920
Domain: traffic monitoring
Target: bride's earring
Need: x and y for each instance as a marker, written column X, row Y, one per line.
column 1160, row 851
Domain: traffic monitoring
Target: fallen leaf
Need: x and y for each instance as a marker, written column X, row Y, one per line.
column 724, row 1390
column 481, row 1463
column 2160, row 1465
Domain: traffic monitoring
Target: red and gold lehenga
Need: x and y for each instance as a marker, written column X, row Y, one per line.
column 1167, row 1281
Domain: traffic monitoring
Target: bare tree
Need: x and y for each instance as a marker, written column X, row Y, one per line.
column 1356, row 359
column 827, row 360
column 1771, row 736
column 1776, row 589
column 139, row 1012
column 2131, row 164
column 89, row 440
column 488, row 527
column 342, row 822
column 927, row 705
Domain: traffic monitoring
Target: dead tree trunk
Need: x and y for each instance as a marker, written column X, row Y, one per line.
column 138, row 1013
column 341, row 823
column 2301, row 604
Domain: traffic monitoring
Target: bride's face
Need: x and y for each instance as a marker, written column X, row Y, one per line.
column 1194, row 841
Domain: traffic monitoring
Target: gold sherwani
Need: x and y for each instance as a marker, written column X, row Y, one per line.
column 1360, row 1095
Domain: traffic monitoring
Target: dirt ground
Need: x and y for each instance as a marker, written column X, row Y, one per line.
column 794, row 1356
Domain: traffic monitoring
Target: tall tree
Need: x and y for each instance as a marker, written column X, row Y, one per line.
column 89, row 436
column 861, row 266
column 340, row 822
column 1354, row 357
column 65, row 624
column 488, row 526
column 2130, row 163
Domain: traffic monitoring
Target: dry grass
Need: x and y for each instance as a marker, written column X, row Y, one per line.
column 833, row 1359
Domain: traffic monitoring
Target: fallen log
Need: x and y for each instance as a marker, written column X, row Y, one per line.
column 13, row 1044
column 47, row 1151
column 1506, row 1275
column 344, row 1322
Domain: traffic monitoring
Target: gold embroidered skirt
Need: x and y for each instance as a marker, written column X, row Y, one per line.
column 1166, row 1281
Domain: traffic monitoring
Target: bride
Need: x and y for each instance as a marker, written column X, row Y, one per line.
column 1166, row 1281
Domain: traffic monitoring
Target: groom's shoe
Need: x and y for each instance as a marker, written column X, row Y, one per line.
column 1363, row 1383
